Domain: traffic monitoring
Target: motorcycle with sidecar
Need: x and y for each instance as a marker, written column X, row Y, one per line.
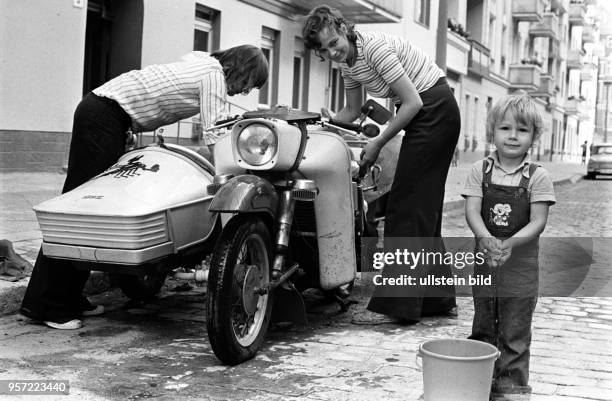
column 283, row 210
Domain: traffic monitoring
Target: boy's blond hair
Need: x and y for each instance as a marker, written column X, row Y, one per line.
column 523, row 109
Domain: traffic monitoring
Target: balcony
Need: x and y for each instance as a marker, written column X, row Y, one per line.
column 575, row 107
column 527, row 10
column 478, row 62
column 588, row 74
column 547, row 86
column 524, row 76
column 575, row 59
column 588, row 34
column 577, row 14
column 358, row 11
column 457, row 52
column 547, row 27
column 559, row 5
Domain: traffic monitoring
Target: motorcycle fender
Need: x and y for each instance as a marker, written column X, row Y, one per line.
column 246, row 194
column 327, row 161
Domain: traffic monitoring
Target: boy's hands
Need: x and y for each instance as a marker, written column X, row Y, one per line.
column 497, row 253
column 506, row 252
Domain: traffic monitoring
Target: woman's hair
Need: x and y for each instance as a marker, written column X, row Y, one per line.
column 523, row 109
column 321, row 17
column 241, row 62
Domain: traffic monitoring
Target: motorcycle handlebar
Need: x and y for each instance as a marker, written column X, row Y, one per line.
column 227, row 120
column 342, row 124
column 369, row 130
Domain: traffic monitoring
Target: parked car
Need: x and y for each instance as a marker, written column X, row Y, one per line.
column 600, row 161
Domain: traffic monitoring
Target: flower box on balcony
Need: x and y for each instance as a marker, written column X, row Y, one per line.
column 524, row 76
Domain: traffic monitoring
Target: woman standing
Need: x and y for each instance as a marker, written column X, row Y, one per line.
column 388, row 66
column 141, row 100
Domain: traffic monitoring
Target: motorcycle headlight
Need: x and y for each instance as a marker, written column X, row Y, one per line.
column 257, row 144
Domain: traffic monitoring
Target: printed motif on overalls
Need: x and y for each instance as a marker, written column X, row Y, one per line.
column 499, row 214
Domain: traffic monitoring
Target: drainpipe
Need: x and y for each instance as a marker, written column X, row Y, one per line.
column 441, row 35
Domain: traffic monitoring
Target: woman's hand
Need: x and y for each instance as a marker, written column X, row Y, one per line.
column 368, row 157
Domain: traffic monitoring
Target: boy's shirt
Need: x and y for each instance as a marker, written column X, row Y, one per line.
column 540, row 185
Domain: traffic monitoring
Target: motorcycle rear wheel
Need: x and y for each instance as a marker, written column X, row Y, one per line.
column 237, row 317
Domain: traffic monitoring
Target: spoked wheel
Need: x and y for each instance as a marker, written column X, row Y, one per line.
column 140, row 288
column 238, row 308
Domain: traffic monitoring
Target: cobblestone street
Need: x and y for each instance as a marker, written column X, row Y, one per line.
column 160, row 349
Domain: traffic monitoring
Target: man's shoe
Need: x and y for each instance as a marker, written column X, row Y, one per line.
column 96, row 311
column 69, row 325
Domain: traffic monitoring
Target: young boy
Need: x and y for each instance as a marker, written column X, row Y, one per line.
column 507, row 201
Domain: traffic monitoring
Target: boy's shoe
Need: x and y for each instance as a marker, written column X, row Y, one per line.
column 69, row 325
column 95, row 311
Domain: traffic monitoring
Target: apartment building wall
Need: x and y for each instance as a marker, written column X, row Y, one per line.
column 41, row 68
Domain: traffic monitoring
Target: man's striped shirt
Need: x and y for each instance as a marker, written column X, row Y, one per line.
column 382, row 59
column 163, row 94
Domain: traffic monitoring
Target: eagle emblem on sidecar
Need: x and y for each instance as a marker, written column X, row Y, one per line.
column 130, row 169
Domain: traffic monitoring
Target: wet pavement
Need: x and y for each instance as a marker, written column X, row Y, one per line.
column 160, row 350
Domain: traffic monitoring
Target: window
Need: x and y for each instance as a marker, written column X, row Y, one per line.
column 205, row 37
column 300, row 76
column 337, row 89
column 269, row 48
column 422, row 11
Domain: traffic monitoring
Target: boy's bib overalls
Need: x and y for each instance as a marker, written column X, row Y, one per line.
column 503, row 310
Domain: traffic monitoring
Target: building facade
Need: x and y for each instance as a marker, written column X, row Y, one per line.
column 54, row 52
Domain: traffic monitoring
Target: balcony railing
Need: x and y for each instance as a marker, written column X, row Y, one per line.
column 478, row 62
column 588, row 34
column 559, row 5
column 547, row 27
column 359, row 11
column 577, row 13
column 587, row 74
column 575, row 107
column 524, row 76
column 547, row 86
column 457, row 52
column 575, row 59
column 527, row 10
column 605, row 78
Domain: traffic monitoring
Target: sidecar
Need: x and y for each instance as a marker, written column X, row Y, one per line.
column 142, row 217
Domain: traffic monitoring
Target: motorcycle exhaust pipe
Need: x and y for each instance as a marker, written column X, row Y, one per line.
column 200, row 276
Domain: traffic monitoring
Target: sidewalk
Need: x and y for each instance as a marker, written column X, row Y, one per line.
column 21, row 191
column 561, row 173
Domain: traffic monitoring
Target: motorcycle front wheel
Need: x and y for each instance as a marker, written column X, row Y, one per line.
column 239, row 306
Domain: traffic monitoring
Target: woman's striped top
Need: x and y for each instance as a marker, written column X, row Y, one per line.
column 163, row 94
column 382, row 59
